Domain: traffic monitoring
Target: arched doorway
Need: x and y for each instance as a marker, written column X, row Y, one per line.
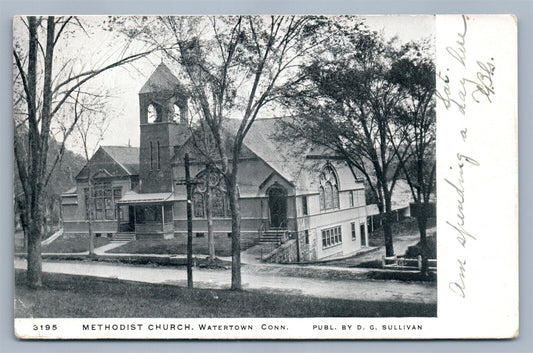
column 277, row 204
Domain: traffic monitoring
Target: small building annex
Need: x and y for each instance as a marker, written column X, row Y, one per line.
column 285, row 187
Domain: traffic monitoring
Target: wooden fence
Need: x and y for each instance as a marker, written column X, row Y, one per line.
column 402, row 263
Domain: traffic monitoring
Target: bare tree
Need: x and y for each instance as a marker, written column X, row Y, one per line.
column 234, row 67
column 93, row 119
column 44, row 90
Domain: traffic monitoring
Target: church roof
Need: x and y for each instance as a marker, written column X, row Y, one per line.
column 127, row 157
column 285, row 157
column 162, row 79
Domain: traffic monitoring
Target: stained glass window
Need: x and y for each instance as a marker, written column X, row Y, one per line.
column 329, row 190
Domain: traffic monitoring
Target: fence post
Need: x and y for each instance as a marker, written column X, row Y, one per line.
column 420, row 262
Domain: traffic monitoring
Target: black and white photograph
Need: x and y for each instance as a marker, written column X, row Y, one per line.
column 239, row 170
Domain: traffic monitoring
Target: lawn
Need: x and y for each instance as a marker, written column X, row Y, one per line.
column 79, row 243
column 404, row 228
column 64, row 296
column 19, row 237
column 178, row 246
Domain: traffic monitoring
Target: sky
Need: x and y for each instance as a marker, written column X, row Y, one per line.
column 125, row 83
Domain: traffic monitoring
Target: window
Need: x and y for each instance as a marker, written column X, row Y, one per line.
column 158, row 156
column 354, row 235
column 198, row 203
column 117, row 195
column 304, row 206
column 350, row 194
column 219, row 202
column 331, row 237
column 102, row 201
column 176, row 113
column 307, row 236
column 151, row 114
column 145, row 214
column 151, row 155
column 329, row 190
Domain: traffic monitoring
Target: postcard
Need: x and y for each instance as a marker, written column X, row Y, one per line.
column 265, row 177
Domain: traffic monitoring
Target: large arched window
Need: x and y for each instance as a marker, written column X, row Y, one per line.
column 329, row 189
column 219, row 201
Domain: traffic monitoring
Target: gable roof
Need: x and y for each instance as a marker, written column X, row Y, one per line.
column 285, row 157
column 127, row 157
column 162, row 79
column 114, row 161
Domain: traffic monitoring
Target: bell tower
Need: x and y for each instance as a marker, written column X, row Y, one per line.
column 164, row 125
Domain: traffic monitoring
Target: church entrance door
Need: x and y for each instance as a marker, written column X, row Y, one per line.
column 277, row 203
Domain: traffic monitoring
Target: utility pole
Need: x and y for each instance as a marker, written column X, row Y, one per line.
column 189, row 221
column 189, row 185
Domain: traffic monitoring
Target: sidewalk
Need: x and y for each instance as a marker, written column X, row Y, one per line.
column 264, row 281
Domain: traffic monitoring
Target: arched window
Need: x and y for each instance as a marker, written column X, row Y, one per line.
column 151, row 114
column 198, row 203
column 175, row 113
column 329, row 189
column 219, row 202
column 322, row 198
column 329, row 196
column 335, row 196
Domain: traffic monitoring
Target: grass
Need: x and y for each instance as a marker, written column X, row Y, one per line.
column 19, row 237
column 79, row 243
column 64, row 296
column 178, row 246
column 415, row 250
column 403, row 228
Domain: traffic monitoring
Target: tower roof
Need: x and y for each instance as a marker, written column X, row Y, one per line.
column 162, row 79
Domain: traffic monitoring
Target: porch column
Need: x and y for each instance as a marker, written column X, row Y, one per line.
column 163, row 218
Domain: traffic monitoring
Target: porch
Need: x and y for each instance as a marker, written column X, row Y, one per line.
column 144, row 216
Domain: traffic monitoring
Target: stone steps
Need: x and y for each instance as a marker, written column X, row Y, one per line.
column 271, row 236
column 123, row 237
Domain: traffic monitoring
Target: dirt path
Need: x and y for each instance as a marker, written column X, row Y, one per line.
column 271, row 281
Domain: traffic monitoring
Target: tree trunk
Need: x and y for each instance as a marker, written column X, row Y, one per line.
column 90, row 212
column 91, row 237
column 235, row 235
column 34, row 272
column 422, row 226
column 210, row 235
column 387, row 226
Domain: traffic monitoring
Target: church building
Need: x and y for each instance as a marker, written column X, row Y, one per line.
column 302, row 198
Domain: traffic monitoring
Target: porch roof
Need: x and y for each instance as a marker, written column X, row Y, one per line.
column 131, row 197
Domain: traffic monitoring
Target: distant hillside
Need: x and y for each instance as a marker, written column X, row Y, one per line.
column 64, row 174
